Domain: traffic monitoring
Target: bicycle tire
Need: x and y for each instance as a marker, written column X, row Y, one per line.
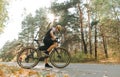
column 60, row 59
column 32, row 61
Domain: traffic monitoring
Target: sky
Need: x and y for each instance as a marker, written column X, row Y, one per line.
column 16, row 14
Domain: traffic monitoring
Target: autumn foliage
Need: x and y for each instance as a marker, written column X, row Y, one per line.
column 14, row 71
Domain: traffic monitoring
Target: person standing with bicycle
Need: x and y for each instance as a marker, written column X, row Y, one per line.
column 50, row 41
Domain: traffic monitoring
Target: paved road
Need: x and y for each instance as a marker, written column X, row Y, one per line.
column 84, row 70
column 93, row 70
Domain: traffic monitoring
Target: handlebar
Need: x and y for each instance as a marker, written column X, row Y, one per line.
column 37, row 41
column 57, row 40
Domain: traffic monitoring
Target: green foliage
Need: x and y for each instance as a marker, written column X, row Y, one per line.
column 30, row 25
column 69, row 18
column 81, row 57
column 111, row 29
column 28, row 28
column 3, row 14
column 62, row 9
column 58, row 7
column 8, row 52
column 94, row 23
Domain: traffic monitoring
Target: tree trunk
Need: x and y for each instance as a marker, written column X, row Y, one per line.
column 104, row 42
column 81, row 26
column 90, row 45
column 105, row 46
column 95, row 41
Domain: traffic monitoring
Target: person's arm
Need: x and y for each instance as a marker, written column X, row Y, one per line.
column 52, row 35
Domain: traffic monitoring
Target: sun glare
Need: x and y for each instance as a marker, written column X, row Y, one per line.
column 51, row 17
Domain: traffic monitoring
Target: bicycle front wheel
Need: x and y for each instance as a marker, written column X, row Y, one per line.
column 60, row 57
column 28, row 58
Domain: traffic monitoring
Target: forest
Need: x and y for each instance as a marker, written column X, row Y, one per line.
column 91, row 29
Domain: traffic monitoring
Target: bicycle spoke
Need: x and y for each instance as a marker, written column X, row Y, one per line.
column 60, row 58
column 27, row 58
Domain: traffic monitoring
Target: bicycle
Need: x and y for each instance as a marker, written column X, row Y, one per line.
column 30, row 56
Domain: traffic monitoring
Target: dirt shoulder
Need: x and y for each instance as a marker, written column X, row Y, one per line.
column 12, row 71
column 103, row 61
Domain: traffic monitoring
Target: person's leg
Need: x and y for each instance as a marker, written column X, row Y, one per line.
column 46, row 64
column 47, row 52
column 52, row 46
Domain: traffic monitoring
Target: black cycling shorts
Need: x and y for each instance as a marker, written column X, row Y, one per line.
column 48, row 42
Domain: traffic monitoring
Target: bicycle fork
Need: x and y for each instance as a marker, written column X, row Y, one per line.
column 57, row 53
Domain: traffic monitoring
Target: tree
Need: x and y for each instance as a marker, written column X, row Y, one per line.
column 98, row 12
column 30, row 25
column 87, row 5
column 28, row 29
column 81, row 26
column 3, row 14
column 104, row 41
column 94, row 23
column 107, row 12
column 9, row 50
column 41, row 21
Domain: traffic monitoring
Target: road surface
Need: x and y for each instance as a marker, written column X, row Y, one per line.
column 82, row 70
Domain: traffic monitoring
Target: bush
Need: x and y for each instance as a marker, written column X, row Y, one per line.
column 78, row 57
column 81, row 57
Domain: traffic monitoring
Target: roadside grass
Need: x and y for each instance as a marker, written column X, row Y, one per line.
column 80, row 57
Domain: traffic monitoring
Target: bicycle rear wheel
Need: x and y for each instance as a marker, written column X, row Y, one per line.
column 28, row 58
column 60, row 57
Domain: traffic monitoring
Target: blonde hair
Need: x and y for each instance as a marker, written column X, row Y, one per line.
column 59, row 27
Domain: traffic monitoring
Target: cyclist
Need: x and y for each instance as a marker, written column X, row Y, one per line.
column 50, row 41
